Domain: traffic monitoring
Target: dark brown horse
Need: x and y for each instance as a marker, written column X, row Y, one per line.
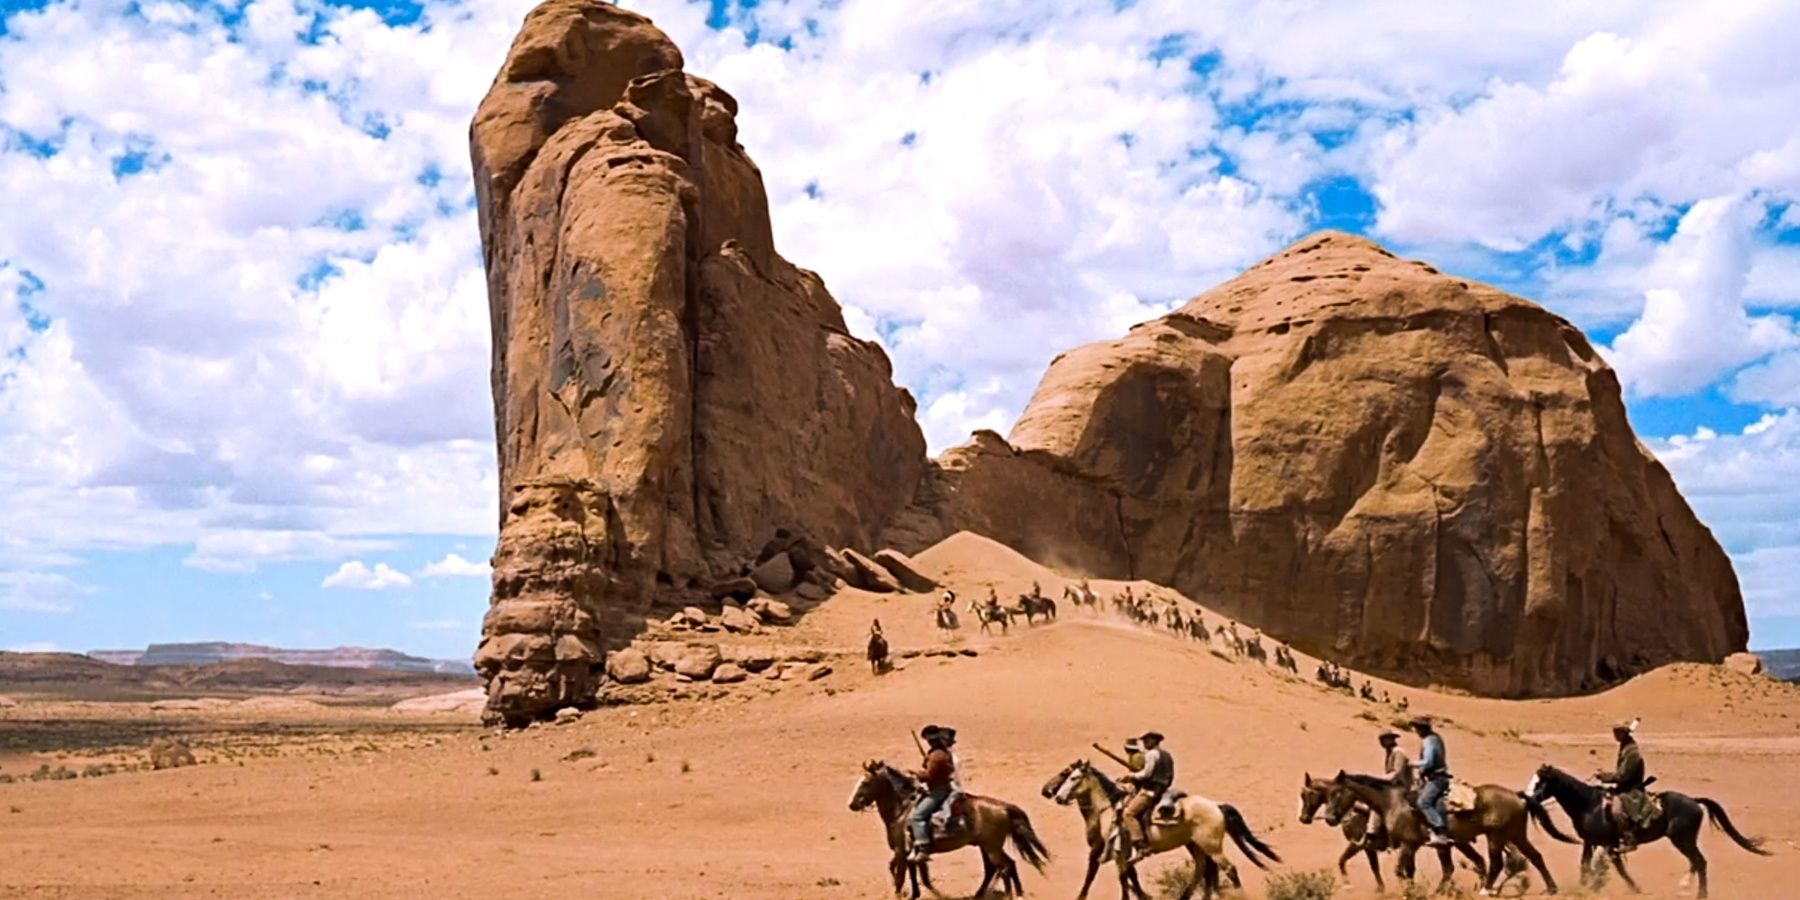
column 1501, row 815
column 1678, row 819
column 1315, row 793
column 991, row 823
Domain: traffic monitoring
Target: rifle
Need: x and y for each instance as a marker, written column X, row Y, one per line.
column 1113, row 756
column 919, row 745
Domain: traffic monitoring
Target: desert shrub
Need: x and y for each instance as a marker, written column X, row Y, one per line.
column 493, row 770
column 579, row 754
column 1315, row 885
column 1174, row 882
column 537, row 775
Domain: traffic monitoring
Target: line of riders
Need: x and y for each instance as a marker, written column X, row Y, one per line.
column 1139, row 609
column 1415, row 803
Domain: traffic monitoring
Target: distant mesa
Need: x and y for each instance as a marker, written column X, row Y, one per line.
column 1412, row 473
column 1782, row 664
column 209, row 652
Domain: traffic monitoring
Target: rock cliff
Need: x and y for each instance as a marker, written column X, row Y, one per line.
column 667, row 389
column 1375, row 461
column 1383, row 464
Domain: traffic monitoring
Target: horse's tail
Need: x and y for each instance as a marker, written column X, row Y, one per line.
column 1247, row 842
column 1722, row 822
column 1025, row 838
column 1545, row 821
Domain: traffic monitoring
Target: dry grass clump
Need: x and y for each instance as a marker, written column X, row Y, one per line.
column 1315, row 885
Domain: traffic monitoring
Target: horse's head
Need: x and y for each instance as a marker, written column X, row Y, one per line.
column 867, row 786
column 1069, row 781
column 1314, row 792
column 1056, row 781
column 1340, row 798
column 1541, row 782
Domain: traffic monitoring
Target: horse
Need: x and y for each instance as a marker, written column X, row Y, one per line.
column 1033, row 605
column 1082, row 597
column 1678, row 818
column 1501, row 815
column 1314, row 793
column 986, row 616
column 1200, row 827
column 991, row 823
column 878, row 653
column 1253, row 648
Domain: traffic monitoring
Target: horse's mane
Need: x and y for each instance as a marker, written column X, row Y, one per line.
column 1373, row 782
column 1113, row 792
column 898, row 780
column 1558, row 776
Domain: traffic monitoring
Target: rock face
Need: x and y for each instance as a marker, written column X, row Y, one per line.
column 667, row 388
column 1378, row 462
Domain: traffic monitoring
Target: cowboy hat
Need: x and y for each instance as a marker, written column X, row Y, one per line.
column 1388, row 735
column 1151, row 737
column 1420, row 721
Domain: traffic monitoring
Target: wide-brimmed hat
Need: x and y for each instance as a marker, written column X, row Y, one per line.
column 1420, row 721
column 1389, row 735
column 1627, row 726
column 1151, row 736
column 948, row 734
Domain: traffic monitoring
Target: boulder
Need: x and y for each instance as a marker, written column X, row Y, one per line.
column 1421, row 476
column 167, row 753
column 811, row 591
column 740, row 588
column 870, row 575
column 567, row 715
column 628, row 666
column 772, row 611
column 774, row 575
column 727, row 673
column 645, row 335
column 818, row 671
column 738, row 619
column 1747, row 663
column 665, row 654
column 898, row 565
column 751, row 659
column 698, row 662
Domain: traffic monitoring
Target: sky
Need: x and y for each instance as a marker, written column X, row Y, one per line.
column 243, row 325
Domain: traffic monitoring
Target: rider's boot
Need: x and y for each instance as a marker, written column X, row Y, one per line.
column 1439, row 839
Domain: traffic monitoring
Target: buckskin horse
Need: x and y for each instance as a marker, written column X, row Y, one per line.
column 991, row 823
column 1678, row 818
column 1200, row 827
column 1500, row 814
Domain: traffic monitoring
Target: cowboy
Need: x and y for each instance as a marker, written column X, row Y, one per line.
column 1631, row 809
column 1134, row 754
column 1149, row 781
column 878, row 647
column 1399, row 769
column 1434, row 770
column 938, row 777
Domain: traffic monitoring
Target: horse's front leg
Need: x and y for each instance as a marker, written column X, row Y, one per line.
column 1618, row 862
column 1095, row 853
column 1375, row 869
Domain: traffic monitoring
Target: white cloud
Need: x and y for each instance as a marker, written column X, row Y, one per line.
column 453, row 565
column 39, row 592
column 1694, row 329
column 357, row 576
column 34, row 647
column 1746, row 485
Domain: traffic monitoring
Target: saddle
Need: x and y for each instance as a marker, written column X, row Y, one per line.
column 952, row 820
column 1460, row 797
column 1168, row 806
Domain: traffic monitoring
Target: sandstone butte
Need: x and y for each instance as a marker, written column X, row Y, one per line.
column 1414, row 474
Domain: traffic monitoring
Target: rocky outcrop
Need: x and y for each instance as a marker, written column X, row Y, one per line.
column 1380, row 463
column 667, row 388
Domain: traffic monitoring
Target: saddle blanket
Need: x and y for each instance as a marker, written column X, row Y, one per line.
column 1168, row 807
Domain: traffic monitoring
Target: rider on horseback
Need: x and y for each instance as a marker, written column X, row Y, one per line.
column 1631, row 808
column 939, row 778
column 1434, row 769
column 1399, row 769
column 1149, row 781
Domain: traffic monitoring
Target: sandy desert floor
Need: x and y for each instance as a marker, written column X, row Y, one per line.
column 745, row 796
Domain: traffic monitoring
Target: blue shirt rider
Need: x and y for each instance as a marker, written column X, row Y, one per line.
column 1434, row 774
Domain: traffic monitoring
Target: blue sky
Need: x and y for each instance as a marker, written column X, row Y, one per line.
column 243, row 343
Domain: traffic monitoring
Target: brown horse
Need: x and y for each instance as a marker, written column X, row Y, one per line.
column 991, row 823
column 1315, row 793
column 1500, row 814
column 1200, row 827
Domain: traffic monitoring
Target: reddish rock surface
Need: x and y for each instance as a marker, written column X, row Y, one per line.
column 668, row 390
column 1383, row 464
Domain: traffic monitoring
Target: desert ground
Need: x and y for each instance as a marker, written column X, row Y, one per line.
column 742, row 791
